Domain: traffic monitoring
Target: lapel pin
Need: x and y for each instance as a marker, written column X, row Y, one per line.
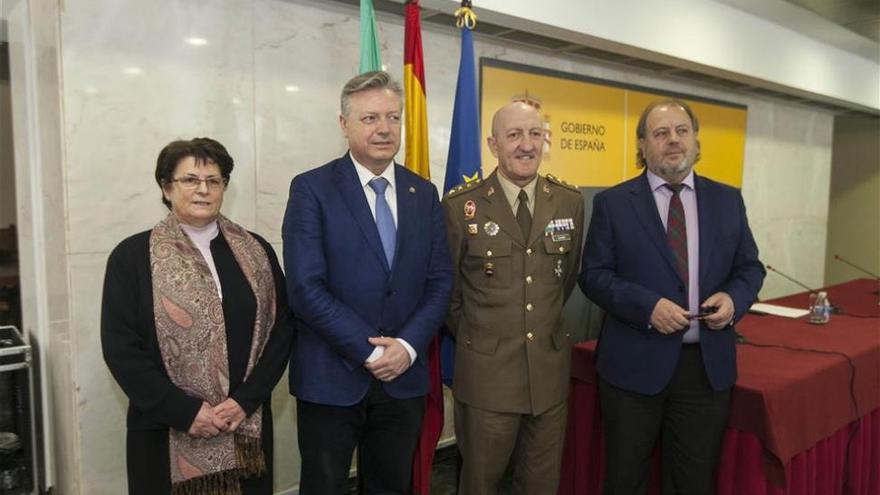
column 491, row 191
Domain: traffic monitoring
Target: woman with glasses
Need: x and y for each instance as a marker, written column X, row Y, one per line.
column 196, row 330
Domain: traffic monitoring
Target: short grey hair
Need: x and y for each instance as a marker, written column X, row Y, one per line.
column 366, row 82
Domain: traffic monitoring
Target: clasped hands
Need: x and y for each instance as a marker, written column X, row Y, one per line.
column 211, row 421
column 668, row 317
column 393, row 362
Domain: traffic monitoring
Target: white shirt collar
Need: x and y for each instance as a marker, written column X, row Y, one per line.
column 365, row 175
column 202, row 236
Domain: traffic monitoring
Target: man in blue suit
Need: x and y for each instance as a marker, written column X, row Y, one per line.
column 369, row 277
column 670, row 256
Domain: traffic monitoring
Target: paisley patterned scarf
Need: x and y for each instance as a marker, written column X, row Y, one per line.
column 192, row 340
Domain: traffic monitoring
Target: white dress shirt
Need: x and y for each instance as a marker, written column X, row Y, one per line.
column 365, row 175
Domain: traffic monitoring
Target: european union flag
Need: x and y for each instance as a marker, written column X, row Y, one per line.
column 463, row 162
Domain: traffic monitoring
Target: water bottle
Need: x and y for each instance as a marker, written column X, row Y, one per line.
column 820, row 308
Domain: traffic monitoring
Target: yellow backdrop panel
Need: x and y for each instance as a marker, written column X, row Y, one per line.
column 591, row 124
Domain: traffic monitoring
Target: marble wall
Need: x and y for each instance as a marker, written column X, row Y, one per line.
column 263, row 77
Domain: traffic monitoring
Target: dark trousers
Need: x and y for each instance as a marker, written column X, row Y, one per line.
column 688, row 416
column 384, row 429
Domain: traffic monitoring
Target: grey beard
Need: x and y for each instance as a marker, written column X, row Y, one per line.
column 668, row 171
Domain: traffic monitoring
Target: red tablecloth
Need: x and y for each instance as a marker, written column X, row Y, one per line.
column 794, row 426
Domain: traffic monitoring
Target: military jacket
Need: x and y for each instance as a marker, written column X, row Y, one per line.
column 512, row 351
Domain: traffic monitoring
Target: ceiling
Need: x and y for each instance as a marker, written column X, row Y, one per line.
column 848, row 16
column 854, row 26
column 859, row 16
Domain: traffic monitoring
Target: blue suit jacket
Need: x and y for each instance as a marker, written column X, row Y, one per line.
column 628, row 266
column 342, row 290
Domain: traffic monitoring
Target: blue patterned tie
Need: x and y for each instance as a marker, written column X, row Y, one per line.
column 384, row 220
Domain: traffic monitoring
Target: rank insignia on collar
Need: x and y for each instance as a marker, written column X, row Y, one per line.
column 470, row 209
column 491, row 191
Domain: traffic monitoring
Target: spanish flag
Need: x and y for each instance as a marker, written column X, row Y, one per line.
column 416, row 122
column 416, row 112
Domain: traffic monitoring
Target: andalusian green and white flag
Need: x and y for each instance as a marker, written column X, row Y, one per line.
column 370, row 58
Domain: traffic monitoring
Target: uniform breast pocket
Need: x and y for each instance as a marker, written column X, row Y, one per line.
column 554, row 267
column 488, row 263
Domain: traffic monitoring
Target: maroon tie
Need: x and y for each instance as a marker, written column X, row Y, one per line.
column 676, row 232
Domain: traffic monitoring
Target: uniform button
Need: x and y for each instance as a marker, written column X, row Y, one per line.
column 561, row 249
column 530, row 336
column 488, row 253
column 529, row 307
column 529, row 251
column 528, row 279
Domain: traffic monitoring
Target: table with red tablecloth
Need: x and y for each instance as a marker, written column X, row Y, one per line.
column 804, row 413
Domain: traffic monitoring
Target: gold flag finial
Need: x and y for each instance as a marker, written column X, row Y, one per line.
column 465, row 15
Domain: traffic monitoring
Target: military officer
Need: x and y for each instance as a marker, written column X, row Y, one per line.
column 515, row 239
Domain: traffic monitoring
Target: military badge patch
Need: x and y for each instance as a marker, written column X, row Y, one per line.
column 470, row 209
column 559, row 229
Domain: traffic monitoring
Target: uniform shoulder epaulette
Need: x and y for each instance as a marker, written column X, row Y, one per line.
column 556, row 180
column 461, row 188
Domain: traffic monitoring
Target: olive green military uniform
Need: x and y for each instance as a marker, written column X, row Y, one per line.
column 512, row 353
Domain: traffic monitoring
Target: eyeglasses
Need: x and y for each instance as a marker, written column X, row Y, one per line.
column 190, row 182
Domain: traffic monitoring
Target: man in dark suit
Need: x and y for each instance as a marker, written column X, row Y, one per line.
column 670, row 256
column 369, row 278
